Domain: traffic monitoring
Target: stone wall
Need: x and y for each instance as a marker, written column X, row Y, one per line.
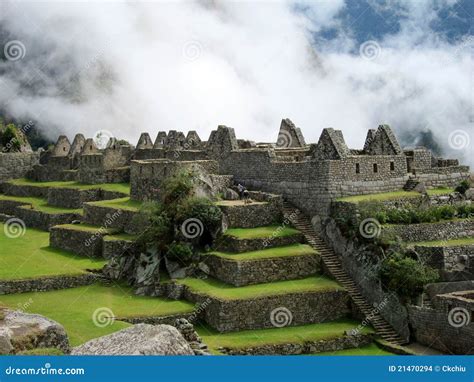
column 74, row 198
column 306, row 347
column 42, row 220
column 43, row 284
column 81, row 242
column 389, row 306
column 255, row 214
column 146, row 177
column 109, row 217
column 240, row 273
column 16, row 165
column 431, row 328
column 233, row 244
column 448, row 258
column 305, row 308
column 429, row 231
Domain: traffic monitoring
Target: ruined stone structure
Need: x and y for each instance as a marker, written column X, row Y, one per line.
column 309, row 176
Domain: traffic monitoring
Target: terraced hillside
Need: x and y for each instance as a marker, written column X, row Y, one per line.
column 266, row 292
column 432, row 236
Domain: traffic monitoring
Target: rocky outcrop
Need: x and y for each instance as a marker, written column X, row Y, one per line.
column 141, row 339
column 21, row 331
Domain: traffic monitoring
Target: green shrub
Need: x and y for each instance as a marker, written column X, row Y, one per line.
column 9, row 138
column 202, row 209
column 406, row 276
column 177, row 188
column 463, row 186
column 180, row 252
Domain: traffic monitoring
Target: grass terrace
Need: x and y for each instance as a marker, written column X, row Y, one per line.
column 440, row 191
column 29, row 257
column 371, row 349
column 261, row 232
column 384, row 196
column 113, row 187
column 446, row 243
column 121, row 236
column 88, row 228
column 122, row 204
column 74, row 308
column 285, row 251
column 41, row 204
column 275, row 336
column 222, row 291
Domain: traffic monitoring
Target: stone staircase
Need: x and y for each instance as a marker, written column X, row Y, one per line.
column 410, row 184
column 334, row 267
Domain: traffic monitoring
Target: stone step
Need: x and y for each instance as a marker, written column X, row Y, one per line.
column 285, row 303
column 242, row 240
column 335, row 268
column 80, row 239
column 274, row 264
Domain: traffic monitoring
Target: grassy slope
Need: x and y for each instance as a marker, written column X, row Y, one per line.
column 289, row 250
column 440, row 191
column 122, row 203
column 74, row 308
column 371, row 349
column 224, row 291
column 291, row 334
column 88, row 228
column 261, row 232
column 29, row 257
column 446, row 243
column 115, row 187
column 41, row 204
column 380, row 197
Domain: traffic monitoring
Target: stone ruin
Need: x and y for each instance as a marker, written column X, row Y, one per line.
column 308, row 175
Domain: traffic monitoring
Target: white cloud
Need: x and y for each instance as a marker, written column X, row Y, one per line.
column 180, row 65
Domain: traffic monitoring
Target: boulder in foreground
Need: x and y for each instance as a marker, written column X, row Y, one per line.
column 141, row 339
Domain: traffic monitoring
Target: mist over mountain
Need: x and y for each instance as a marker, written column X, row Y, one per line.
column 132, row 67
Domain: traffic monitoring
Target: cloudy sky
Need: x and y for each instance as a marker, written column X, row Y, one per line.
column 128, row 67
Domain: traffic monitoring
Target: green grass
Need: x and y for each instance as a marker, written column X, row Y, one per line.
column 220, row 290
column 289, row 250
column 88, row 228
column 41, row 204
column 275, row 336
column 261, row 232
column 114, row 187
column 30, row 257
column 380, row 197
column 74, row 308
column 371, row 349
column 122, row 204
column 121, row 236
column 41, row 351
column 446, row 243
column 440, row 191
